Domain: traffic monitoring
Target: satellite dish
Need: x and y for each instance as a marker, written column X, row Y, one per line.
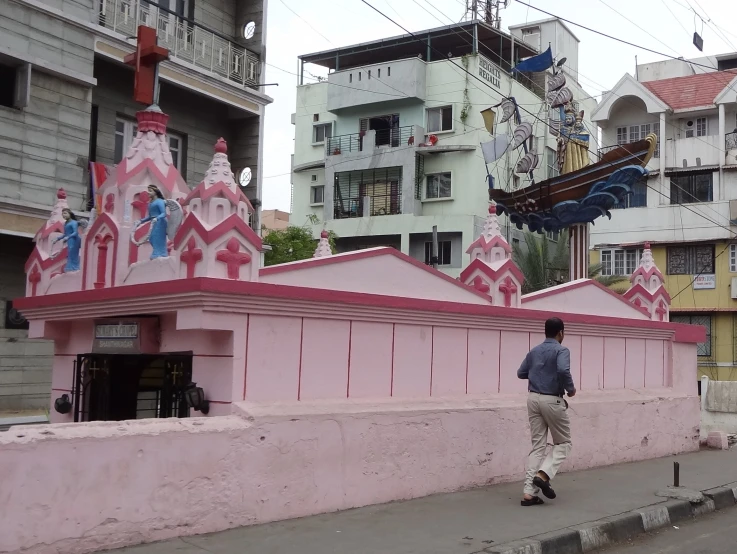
column 561, row 62
column 244, row 177
column 249, row 29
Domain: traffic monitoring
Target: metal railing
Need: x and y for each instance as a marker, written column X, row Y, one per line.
column 603, row 150
column 730, row 141
column 379, row 204
column 345, row 143
column 354, row 142
column 185, row 39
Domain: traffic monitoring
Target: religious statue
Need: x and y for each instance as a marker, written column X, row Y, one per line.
column 162, row 227
column 71, row 239
column 573, row 140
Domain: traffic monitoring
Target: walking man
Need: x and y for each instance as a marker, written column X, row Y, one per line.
column 547, row 367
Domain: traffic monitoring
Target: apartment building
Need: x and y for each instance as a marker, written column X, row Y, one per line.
column 687, row 209
column 66, row 99
column 364, row 165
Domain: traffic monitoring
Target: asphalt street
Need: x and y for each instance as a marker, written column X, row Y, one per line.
column 712, row 534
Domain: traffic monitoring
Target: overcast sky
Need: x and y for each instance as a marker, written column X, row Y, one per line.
column 325, row 24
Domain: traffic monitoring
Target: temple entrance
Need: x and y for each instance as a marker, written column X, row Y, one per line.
column 115, row 387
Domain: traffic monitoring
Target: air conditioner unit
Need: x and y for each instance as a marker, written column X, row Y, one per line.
column 734, row 288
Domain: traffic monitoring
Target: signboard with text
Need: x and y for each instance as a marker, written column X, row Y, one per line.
column 705, row 282
column 117, row 337
column 489, row 72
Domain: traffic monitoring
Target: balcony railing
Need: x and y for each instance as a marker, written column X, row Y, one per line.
column 356, row 142
column 730, row 141
column 184, row 39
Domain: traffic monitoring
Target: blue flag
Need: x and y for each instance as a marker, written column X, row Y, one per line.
column 541, row 62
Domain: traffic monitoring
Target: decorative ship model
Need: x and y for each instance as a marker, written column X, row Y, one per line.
column 583, row 191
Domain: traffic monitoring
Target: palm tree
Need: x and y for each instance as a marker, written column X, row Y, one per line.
column 544, row 264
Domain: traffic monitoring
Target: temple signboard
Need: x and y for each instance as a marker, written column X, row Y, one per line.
column 117, row 337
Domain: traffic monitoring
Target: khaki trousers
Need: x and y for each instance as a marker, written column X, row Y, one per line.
column 546, row 413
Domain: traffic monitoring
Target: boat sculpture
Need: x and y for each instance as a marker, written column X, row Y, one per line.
column 583, row 191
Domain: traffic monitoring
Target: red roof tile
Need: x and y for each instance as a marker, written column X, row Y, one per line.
column 692, row 91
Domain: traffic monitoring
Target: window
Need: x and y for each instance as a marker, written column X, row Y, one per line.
column 440, row 119
column 389, row 71
column 690, row 260
column 315, row 118
column 621, row 135
column 443, row 252
column 553, row 235
column 701, row 127
column 321, row 132
column 733, row 258
column 551, row 159
column 515, row 242
column 702, row 348
column 437, row 186
column 317, row 195
column 314, row 178
column 7, row 86
column 125, row 131
column 350, row 77
column 634, row 133
column 378, row 73
column 369, row 74
column 620, row 261
column 687, row 188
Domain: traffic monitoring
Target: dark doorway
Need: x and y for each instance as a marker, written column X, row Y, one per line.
column 386, row 127
column 120, row 387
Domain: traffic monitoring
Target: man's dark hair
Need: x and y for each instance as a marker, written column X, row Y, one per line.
column 553, row 326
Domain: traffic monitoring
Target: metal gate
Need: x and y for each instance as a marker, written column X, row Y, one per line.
column 91, row 387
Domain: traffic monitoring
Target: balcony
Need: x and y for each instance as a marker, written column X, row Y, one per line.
column 361, row 142
column 730, row 141
column 367, row 193
column 693, row 152
column 185, row 40
column 371, row 84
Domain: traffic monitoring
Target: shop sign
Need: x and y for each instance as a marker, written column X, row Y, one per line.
column 701, row 282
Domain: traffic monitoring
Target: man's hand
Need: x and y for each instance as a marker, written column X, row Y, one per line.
column 572, row 393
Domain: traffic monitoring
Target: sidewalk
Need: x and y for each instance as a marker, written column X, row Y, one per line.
column 465, row 522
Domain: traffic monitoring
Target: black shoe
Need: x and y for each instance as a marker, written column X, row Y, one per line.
column 544, row 486
column 534, row 501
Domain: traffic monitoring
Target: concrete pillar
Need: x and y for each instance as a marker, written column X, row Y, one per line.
column 661, row 147
column 405, row 244
column 722, row 152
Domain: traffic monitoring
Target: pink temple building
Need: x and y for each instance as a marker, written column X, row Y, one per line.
column 361, row 367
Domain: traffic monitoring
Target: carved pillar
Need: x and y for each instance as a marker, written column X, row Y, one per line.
column 578, row 236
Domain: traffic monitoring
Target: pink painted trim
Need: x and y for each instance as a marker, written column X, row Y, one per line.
column 650, row 296
column 577, row 285
column 44, row 231
column 624, row 373
column 350, row 343
column 603, row 361
column 205, row 192
column 364, row 254
column 432, row 354
column 44, row 264
column 232, row 222
column 491, row 273
column 646, row 274
column 169, row 180
column 61, row 390
column 391, row 385
column 301, row 344
column 486, row 246
column 212, row 355
column 683, row 332
column 499, row 371
column 245, row 361
column 102, row 219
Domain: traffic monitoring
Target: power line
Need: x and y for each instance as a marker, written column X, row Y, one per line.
column 305, row 21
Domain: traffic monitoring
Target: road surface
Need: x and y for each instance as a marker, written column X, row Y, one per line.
column 712, row 534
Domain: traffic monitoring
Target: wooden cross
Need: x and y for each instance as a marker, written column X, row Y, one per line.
column 146, row 60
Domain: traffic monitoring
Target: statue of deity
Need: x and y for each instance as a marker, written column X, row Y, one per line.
column 163, row 226
column 71, row 239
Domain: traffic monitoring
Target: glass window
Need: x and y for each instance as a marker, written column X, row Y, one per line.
column 443, row 252
column 440, row 119
column 438, row 186
column 634, row 133
column 551, row 159
column 688, row 188
column 317, row 195
column 733, row 258
column 620, row 261
column 621, row 135
column 322, row 132
column 701, row 127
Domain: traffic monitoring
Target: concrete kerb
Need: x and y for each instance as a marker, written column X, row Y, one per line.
column 595, row 535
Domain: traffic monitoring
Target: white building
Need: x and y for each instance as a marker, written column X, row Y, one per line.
column 695, row 116
column 359, row 164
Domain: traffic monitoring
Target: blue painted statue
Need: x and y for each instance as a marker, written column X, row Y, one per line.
column 72, row 239
column 163, row 226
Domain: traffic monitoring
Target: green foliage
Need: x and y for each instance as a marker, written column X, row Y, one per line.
column 545, row 264
column 292, row 244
